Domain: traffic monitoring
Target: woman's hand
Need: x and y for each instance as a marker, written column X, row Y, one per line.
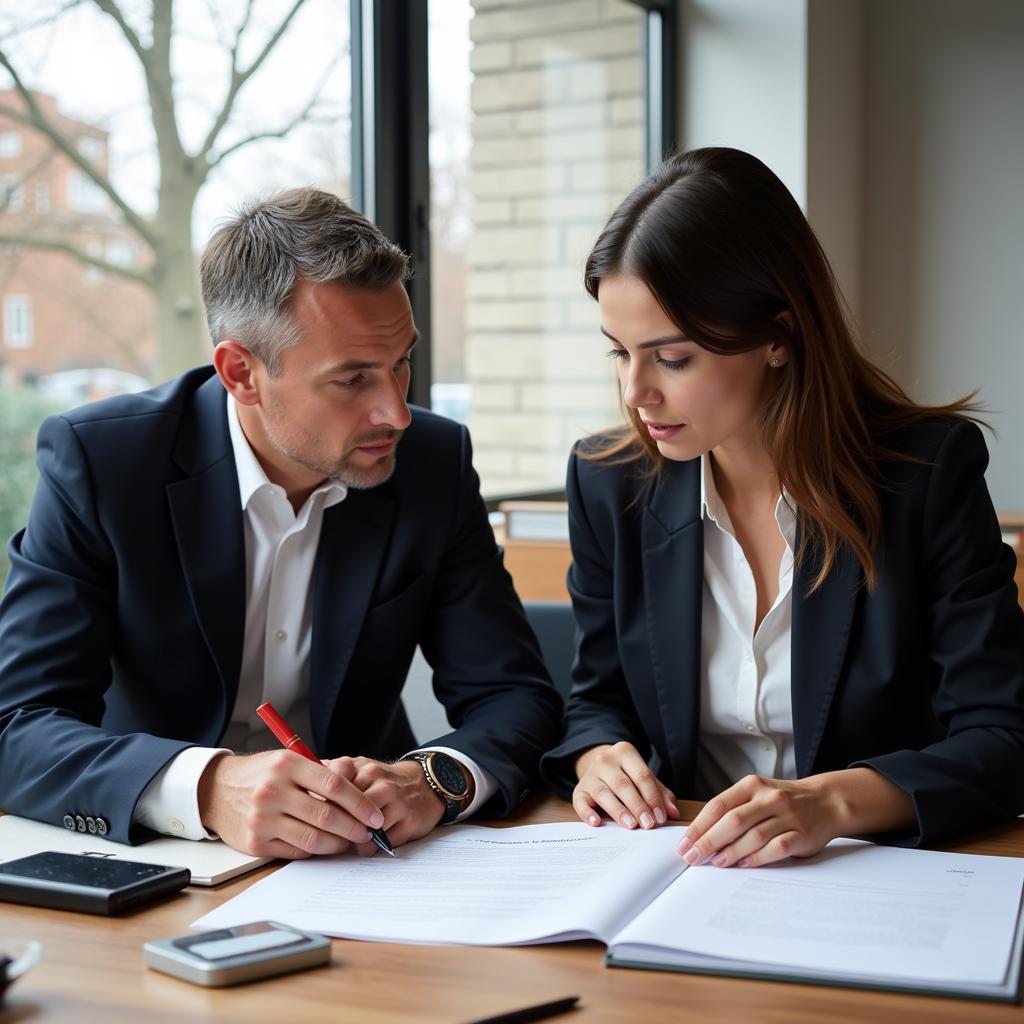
column 759, row 821
column 616, row 780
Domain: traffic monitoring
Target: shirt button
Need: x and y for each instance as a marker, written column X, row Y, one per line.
column 287, row 540
column 281, row 635
column 177, row 826
column 767, row 747
column 750, row 728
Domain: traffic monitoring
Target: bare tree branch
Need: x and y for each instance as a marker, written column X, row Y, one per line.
column 110, row 8
column 240, row 77
column 303, row 116
column 37, row 119
column 46, row 19
column 143, row 277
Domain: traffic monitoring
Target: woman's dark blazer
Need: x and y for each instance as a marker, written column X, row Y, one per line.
column 921, row 678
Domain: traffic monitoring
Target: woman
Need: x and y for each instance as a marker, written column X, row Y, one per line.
column 791, row 590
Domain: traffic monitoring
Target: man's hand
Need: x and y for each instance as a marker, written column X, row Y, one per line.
column 262, row 804
column 759, row 820
column 616, row 780
column 410, row 807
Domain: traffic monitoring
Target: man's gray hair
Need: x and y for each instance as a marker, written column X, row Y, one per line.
column 251, row 264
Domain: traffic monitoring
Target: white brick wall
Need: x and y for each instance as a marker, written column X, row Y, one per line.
column 558, row 141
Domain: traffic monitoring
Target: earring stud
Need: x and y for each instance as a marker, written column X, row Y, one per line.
column 776, row 361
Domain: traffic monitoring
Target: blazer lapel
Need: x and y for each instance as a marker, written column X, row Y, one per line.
column 673, row 562
column 821, row 630
column 207, row 515
column 353, row 541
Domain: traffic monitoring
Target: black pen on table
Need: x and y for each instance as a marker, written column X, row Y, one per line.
column 291, row 739
column 539, row 1012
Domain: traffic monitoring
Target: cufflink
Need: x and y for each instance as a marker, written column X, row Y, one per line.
column 90, row 824
column 79, row 823
column 101, row 826
column 69, row 822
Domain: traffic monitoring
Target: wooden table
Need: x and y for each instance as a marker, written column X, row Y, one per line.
column 92, row 971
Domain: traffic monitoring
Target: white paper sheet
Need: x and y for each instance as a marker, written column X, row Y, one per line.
column 855, row 909
column 471, row 885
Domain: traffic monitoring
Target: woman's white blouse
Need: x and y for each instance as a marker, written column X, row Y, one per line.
column 746, row 719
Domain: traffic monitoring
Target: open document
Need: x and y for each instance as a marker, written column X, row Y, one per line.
column 856, row 914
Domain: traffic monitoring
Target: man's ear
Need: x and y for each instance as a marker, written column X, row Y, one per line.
column 236, row 367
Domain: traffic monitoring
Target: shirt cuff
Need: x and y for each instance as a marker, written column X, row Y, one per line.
column 484, row 787
column 170, row 803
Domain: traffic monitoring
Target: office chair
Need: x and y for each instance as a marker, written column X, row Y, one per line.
column 555, row 627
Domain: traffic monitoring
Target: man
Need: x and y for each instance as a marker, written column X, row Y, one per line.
column 280, row 527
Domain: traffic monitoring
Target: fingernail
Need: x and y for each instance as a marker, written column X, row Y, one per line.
column 646, row 820
column 684, row 844
column 692, row 856
column 594, row 820
column 743, row 862
column 674, row 809
column 659, row 815
column 627, row 821
column 376, row 819
column 719, row 860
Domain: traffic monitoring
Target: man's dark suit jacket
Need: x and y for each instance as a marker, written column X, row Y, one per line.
column 922, row 678
column 121, row 629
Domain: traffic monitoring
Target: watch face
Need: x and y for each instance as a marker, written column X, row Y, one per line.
column 448, row 773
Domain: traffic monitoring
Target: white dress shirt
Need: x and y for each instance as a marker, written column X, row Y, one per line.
column 280, row 556
column 746, row 717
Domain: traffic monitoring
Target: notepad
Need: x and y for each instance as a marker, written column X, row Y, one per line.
column 857, row 914
column 210, row 862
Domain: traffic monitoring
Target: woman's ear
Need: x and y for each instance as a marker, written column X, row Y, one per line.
column 777, row 353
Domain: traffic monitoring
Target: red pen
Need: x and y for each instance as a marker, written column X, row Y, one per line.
column 293, row 741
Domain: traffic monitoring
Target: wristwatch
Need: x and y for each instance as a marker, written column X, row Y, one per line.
column 448, row 779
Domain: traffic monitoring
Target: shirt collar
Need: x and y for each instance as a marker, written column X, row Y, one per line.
column 251, row 477
column 712, row 507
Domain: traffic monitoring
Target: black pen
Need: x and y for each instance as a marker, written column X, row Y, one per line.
column 531, row 1012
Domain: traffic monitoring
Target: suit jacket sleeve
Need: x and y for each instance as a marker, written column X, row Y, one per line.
column 488, row 671
column 600, row 709
column 974, row 776
column 57, row 630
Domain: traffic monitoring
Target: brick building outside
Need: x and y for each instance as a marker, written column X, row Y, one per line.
column 59, row 314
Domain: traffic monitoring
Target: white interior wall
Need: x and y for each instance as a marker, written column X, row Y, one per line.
column 944, row 199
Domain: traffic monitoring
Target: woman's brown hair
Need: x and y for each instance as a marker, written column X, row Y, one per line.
column 729, row 256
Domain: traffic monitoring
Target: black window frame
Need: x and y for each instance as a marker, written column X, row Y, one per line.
column 390, row 132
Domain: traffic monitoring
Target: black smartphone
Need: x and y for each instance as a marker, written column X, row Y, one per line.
column 93, row 885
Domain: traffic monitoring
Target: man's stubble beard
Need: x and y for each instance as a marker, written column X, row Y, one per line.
column 356, row 478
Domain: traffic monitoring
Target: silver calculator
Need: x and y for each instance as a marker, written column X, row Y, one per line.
column 230, row 956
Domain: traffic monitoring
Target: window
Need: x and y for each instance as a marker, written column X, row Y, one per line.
column 92, row 274
column 13, row 194
column 537, row 131
column 17, row 321
column 84, row 195
column 90, row 147
column 120, row 252
column 288, row 125
column 10, row 145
